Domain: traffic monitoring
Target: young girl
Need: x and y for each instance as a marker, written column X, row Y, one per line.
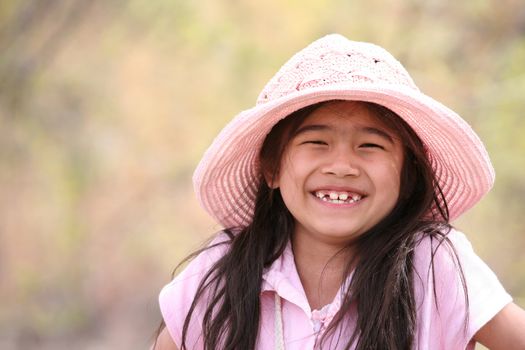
column 335, row 193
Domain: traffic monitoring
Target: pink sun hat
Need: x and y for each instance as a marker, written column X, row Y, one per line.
column 335, row 68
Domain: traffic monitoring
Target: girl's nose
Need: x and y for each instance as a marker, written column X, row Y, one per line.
column 341, row 164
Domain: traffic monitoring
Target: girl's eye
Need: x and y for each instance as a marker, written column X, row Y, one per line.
column 315, row 142
column 371, row 145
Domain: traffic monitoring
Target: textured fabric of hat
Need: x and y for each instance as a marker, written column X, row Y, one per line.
column 333, row 67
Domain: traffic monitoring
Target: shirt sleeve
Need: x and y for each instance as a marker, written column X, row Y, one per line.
column 176, row 297
column 486, row 295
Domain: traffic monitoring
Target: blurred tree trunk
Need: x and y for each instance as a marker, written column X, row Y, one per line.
column 31, row 34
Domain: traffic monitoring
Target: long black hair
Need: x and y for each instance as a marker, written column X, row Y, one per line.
column 381, row 288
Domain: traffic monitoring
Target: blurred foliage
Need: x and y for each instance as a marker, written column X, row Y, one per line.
column 106, row 107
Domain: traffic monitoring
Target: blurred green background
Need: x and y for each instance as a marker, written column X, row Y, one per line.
column 107, row 106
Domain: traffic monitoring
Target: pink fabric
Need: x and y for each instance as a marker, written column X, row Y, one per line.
column 436, row 330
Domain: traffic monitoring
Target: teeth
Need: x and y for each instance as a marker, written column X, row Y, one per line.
column 334, row 197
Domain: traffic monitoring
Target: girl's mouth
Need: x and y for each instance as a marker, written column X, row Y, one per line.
column 338, row 197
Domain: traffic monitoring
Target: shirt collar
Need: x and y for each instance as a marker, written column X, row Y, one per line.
column 282, row 278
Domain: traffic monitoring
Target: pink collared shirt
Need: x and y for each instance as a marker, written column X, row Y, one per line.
column 301, row 326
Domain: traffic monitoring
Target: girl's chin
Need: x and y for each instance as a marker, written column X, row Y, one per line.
column 338, row 234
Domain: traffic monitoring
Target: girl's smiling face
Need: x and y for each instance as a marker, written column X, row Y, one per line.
column 340, row 172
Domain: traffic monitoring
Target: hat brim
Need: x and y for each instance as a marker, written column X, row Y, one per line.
column 227, row 178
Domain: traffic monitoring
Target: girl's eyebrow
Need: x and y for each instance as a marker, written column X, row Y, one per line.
column 364, row 129
column 378, row 132
column 312, row 127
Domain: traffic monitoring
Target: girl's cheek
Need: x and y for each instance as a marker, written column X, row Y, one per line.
column 395, row 169
column 301, row 157
column 392, row 173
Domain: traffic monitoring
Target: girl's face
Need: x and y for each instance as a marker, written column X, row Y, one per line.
column 340, row 172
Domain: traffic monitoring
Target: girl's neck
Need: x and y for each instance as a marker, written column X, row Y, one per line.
column 320, row 266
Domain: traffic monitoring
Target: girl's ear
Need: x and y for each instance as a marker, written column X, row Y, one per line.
column 272, row 180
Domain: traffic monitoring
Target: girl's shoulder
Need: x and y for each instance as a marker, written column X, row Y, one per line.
column 176, row 297
column 450, row 257
column 439, row 257
column 202, row 260
column 447, row 247
column 449, row 250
